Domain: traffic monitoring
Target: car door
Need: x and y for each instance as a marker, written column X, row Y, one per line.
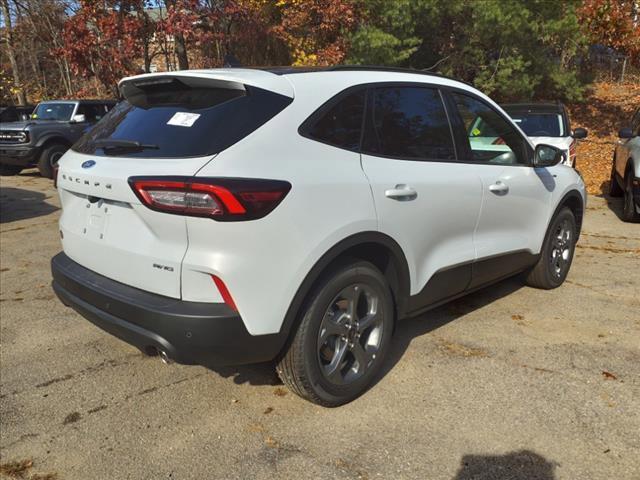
column 516, row 197
column 625, row 146
column 424, row 199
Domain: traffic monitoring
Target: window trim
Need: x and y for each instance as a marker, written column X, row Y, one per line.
column 307, row 125
column 459, row 126
column 459, row 138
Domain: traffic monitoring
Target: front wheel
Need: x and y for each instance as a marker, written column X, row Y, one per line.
column 343, row 336
column 629, row 213
column 557, row 252
column 49, row 159
column 614, row 187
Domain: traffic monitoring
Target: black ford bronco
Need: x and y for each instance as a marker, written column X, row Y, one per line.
column 53, row 127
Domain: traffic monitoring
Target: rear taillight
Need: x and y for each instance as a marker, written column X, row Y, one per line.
column 224, row 199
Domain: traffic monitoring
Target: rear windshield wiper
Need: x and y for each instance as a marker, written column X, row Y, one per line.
column 112, row 144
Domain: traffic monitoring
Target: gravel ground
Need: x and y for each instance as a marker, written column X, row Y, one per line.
column 508, row 383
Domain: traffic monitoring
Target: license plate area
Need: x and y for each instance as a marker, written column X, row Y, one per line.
column 97, row 219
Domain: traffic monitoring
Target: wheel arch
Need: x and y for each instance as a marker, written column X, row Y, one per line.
column 573, row 200
column 375, row 247
column 52, row 138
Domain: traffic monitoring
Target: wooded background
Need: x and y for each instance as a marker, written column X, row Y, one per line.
column 511, row 49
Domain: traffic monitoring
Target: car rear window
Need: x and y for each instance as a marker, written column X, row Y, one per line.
column 172, row 118
column 540, row 124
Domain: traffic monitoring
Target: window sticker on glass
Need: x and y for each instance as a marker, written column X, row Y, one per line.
column 183, row 119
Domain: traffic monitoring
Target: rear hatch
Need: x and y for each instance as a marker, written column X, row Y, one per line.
column 169, row 125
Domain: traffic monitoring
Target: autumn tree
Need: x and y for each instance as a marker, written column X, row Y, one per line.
column 103, row 40
column 9, row 43
column 613, row 23
column 316, row 30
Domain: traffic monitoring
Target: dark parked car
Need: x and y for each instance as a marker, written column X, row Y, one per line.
column 15, row 113
column 41, row 140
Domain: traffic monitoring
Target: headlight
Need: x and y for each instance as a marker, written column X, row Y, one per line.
column 9, row 136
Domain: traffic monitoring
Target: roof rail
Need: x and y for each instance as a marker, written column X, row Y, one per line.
column 374, row 68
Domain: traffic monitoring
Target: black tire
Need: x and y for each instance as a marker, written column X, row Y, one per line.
column 49, row 157
column 615, row 190
column 315, row 347
column 629, row 213
column 9, row 170
column 557, row 254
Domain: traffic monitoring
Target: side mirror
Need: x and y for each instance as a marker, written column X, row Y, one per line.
column 625, row 133
column 580, row 133
column 78, row 119
column 547, row 156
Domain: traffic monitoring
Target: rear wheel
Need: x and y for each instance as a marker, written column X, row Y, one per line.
column 49, row 159
column 614, row 188
column 343, row 336
column 9, row 170
column 629, row 213
column 557, row 252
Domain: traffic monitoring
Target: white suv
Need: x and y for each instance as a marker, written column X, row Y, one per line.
column 236, row 215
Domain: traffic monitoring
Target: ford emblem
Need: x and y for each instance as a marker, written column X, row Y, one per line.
column 88, row 164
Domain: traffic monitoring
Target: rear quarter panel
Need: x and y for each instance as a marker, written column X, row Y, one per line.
column 263, row 262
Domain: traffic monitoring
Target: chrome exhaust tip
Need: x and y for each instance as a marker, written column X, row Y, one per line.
column 164, row 357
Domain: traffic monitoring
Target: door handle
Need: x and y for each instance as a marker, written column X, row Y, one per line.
column 499, row 188
column 401, row 193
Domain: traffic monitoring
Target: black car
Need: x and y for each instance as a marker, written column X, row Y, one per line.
column 15, row 113
column 52, row 128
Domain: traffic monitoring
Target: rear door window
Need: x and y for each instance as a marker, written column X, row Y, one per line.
column 341, row 124
column 408, row 123
column 172, row 118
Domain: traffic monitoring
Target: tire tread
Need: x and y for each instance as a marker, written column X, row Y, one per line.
column 291, row 366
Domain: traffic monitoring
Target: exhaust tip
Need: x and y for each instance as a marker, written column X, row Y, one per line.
column 164, row 357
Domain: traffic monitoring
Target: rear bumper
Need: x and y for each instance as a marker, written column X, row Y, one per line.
column 206, row 334
column 23, row 156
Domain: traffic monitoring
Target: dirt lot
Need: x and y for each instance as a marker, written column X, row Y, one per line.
column 509, row 383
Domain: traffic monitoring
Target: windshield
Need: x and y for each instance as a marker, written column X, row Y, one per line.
column 540, row 124
column 54, row 111
column 171, row 119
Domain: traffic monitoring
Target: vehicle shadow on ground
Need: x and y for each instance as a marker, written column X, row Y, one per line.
column 406, row 331
column 256, row 374
column 20, row 204
column 414, row 327
column 520, row 465
column 615, row 204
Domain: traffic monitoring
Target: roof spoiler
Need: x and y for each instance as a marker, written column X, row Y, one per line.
column 233, row 78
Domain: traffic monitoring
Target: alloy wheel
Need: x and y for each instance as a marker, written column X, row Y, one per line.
column 54, row 157
column 350, row 334
column 561, row 248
